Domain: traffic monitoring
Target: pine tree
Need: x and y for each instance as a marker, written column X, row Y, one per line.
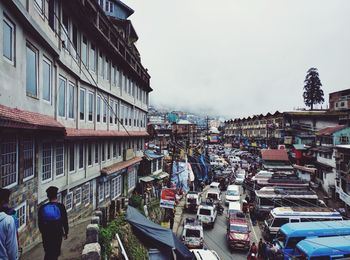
column 313, row 94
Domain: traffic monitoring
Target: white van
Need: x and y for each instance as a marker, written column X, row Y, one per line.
column 234, row 207
column 283, row 215
column 233, row 193
column 214, row 185
column 214, row 194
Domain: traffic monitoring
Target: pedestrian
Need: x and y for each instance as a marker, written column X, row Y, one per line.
column 53, row 224
column 252, row 215
column 261, row 249
column 252, row 251
column 171, row 218
column 8, row 233
column 5, row 194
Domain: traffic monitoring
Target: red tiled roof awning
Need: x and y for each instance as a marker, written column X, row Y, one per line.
column 274, row 155
column 119, row 166
column 73, row 133
column 16, row 118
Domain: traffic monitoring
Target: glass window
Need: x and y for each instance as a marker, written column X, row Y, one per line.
column 114, row 76
column 28, row 158
column 114, row 149
column 89, row 154
column 39, row 4
column 8, row 165
column 84, row 55
column 81, row 156
column 96, row 153
column 47, row 80
column 98, row 110
column 65, row 30
column 103, row 152
column 278, row 222
column 46, row 161
column 91, row 106
column 86, row 194
column 104, row 111
column 101, row 194
column 8, row 40
column 108, row 151
column 111, row 6
column 21, row 213
column 116, row 112
column 107, row 189
column 71, row 158
column 108, row 70
column 116, row 187
column 59, row 159
column 61, row 97
column 101, row 65
column 107, row 5
column 31, row 71
column 132, row 179
column 77, row 196
column 111, row 112
column 93, row 58
column 69, row 201
column 71, row 101
column 82, row 104
column 75, row 38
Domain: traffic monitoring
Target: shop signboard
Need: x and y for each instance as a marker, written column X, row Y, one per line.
column 167, row 198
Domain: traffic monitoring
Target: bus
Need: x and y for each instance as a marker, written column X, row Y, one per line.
column 325, row 248
column 291, row 234
column 268, row 198
column 283, row 215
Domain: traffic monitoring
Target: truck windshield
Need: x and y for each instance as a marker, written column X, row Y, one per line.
column 281, row 238
column 193, row 233
column 239, row 228
column 205, row 212
column 192, row 201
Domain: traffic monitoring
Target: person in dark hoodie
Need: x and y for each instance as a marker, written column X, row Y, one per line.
column 53, row 224
column 8, row 233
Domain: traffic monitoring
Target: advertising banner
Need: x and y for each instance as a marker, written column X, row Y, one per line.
column 167, row 198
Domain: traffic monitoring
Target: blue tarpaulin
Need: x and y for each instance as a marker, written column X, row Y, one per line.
column 155, row 236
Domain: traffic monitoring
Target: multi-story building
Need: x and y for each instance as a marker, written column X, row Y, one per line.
column 73, row 105
column 186, row 132
column 342, row 187
column 296, row 127
column 340, row 101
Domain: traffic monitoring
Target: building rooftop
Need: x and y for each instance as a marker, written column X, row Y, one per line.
column 344, row 146
column 274, row 155
column 330, row 130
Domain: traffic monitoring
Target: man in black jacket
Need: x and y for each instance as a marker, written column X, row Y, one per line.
column 53, row 224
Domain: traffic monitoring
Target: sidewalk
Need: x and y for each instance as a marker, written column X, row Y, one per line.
column 71, row 248
column 178, row 214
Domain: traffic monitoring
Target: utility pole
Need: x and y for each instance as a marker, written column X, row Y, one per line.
column 207, row 137
column 172, row 156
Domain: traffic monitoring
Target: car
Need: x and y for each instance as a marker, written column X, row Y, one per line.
column 238, row 234
column 192, row 235
column 205, row 254
column 232, row 194
column 193, row 200
column 214, row 194
column 240, row 178
column 207, row 214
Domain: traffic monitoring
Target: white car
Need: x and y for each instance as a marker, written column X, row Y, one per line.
column 232, row 194
column 205, row 254
column 207, row 214
column 239, row 178
column 192, row 235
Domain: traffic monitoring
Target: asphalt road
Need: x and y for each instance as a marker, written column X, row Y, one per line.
column 215, row 239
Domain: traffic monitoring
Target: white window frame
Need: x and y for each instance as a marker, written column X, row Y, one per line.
column 86, row 192
column 13, row 37
column 58, row 97
column 48, row 62
column 41, row 163
column 75, row 158
column 90, row 93
column 18, row 210
column 84, row 112
column 16, row 182
column 116, row 187
column 41, row 8
column 132, row 178
column 107, row 184
column 31, row 176
column 71, row 85
column 69, row 194
column 101, row 192
column 77, row 196
column 92, row 57
column 35, row 50
column 98, row 109
column 63, row 161
column 79, row 155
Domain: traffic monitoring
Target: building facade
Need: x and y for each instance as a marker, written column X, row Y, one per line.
column 73, row 106
column 342, row 187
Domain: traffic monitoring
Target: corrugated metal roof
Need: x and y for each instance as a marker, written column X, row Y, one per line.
column 330, row 130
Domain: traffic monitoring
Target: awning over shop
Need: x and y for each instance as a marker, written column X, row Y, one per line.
column 119, row 166
column 161, row 175
column 75, row 133
column 146, row 179
column 305, row 169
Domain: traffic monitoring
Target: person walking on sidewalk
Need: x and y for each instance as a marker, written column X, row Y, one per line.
column 53, row 224
column 8, row 231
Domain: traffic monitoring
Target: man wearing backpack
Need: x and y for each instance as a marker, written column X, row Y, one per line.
column 53, row 224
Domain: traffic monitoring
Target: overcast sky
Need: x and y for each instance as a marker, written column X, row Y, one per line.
column 241, row 57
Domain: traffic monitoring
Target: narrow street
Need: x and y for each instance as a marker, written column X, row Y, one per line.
column 215, row 239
